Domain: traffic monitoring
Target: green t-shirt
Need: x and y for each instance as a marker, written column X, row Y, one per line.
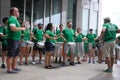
column 38, row 33
column 59, row 39
column 86, row 46
column 69, row 34
column 79, row 37
column 51, row 34
column 91, row 37
column 110, row 34
column 14, row 35
column 4, row 31
column 26, row 35
column 1, row 29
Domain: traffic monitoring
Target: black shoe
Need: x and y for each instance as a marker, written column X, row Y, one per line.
column 26, row 63
column 64, row 64
column 72, row 63
column 12, row 72
column 3, row 66
column 79, row 62
column 17, row 69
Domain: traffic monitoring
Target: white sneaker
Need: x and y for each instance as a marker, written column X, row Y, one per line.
column 33, row 62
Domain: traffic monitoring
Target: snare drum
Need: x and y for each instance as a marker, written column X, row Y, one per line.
column 41, row 44
column 30, row 43
column 71, row 43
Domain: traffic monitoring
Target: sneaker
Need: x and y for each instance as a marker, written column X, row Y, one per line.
column 93, row 62
column 64, row 64
column 33, row 62
column 79, row 62
column 3, row 66
column 12, row 72
column 72, row 63
column 17, row 69
column 89, row 61
column 108, row 71
column 41, row 62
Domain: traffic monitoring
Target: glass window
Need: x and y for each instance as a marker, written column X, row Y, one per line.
column 47, row 12
column 56, row 12
column 85, row 21
column 38, row 11
column 95, row 21
column 28, row 10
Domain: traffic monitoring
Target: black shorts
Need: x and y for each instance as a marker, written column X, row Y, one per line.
column 13, row 48
column 49, row 46
column 37, row 48
column 5, row 47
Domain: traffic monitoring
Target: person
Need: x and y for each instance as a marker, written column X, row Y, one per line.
column 49, row 45
column 4, row 41
column 79, row 44
column 38, row 36
column 59, row 48
column 91, row 42
column 68, row 36
column 25, row 46
column 14, row 36
column 108, row 35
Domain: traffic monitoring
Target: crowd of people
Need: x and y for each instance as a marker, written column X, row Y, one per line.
column 63, row 45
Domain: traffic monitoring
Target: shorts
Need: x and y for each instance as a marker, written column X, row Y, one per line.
column 91, row 46
column 27, row 44
column 109, row 49
column 58, row 50
column 69, row 48
column 79, row 49
column 49, row 46
column 13, row 48
column 35, row 47
column 5, row 47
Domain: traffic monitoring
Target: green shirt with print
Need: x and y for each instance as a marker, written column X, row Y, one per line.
column 26, row 35
column 79, row 38
column 14, row 35
column 51, row 34
column 59, row 39
column 69, row 34
column 38, row 33
column 110, row 33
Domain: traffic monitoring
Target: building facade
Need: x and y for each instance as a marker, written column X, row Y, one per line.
column 83, row 13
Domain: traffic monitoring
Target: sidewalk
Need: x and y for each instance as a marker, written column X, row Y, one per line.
column 83, row 71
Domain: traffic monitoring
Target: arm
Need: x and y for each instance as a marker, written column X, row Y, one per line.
column 102, row 33
column 14, row 28
column 47, row 36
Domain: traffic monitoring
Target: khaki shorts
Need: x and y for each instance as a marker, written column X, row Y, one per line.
column 109, row 49
column 80, row 49
column 71, row 48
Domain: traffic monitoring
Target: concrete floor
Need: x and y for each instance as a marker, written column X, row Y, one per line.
column 82, row 71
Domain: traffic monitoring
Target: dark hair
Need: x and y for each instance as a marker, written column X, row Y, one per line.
column 61, row 25
column 91, row 29
column 106, row 20
column 4, row 19
column 69, row 22
column 12, row 10
column 40, row 25
column 49, row 26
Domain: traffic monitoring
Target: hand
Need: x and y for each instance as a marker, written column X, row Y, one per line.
column 23, row 28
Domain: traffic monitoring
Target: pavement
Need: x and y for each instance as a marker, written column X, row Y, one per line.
column 84, row 71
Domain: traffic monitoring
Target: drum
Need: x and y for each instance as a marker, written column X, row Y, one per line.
column 41, row 44
column 30, row 43
column 71, row 43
